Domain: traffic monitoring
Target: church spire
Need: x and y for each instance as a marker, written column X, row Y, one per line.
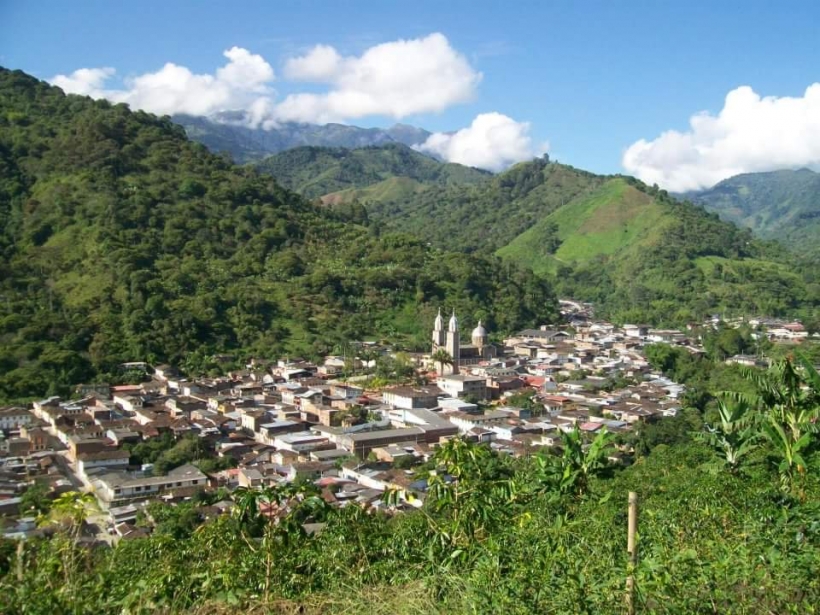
column 453, row 322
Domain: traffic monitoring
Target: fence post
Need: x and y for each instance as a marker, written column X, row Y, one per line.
column 632, row 551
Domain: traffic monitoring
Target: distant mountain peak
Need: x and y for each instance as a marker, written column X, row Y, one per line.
column 232, row 132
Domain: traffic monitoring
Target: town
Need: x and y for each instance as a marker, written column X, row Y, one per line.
column 337, row 425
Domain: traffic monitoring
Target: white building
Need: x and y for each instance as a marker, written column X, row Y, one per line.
column 14, row 418
column 121, row 486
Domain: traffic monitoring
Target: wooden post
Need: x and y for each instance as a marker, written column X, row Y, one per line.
column 632, row 551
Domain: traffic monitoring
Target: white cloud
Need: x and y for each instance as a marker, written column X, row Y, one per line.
column 241, row 84
column 396, row 79
column 493, row 141
column 320, row 65
column 750, row 134
column 85, row 81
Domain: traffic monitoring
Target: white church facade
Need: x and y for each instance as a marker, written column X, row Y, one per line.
column 463, row 355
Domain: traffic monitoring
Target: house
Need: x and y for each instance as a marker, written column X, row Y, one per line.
column 119, row 487
column 111, row 459
column 37, row 437
column 14, row 418
column 636, row 330
column 464, row 385
column 412, row 397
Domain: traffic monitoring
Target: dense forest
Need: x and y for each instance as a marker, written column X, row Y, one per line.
column 729, row 523
column 320, row 171
column 782, row 205
column 122, row 240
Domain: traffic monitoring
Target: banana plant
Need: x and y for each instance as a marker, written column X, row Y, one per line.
column 788, row 396
column 570, row 473
column 735, row 436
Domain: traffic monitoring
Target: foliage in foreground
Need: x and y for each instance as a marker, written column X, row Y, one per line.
column 507, row 535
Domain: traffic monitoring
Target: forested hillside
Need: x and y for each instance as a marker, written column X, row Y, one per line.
column 122, row 240
column 319, row 171
column 782, row 205
column 633, row 250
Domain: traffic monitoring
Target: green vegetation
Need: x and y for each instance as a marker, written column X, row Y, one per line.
column 488, row 215
column 318, row 171
column 729, row 523
column 611, row 219
column 121, row 240
column 634, row 251
column 782, row 205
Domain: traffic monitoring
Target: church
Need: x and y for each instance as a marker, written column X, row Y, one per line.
column 462, row 354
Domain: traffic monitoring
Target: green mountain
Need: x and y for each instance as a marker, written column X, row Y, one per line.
column 230, row 132
column 781, row 205
column 609, row 220
column 384, row 171
column 121, row 240
column 635, row 251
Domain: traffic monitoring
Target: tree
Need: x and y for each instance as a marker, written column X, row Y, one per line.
column 442, row 357
column 570, row 473
column 36, row 499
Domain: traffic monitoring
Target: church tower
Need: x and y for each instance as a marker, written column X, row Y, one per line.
column 438, row 332
column 453, row 346
column 480, row 337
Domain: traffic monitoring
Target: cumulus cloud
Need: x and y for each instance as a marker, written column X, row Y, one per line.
column 750, row 134
column 243, row 83
column 493, row 141
column 319, row 65
column 85, row 81
column 396, row 79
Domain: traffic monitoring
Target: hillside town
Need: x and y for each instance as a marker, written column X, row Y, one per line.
column 333, row 425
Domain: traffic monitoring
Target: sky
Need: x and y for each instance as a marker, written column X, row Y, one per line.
column 682, row 94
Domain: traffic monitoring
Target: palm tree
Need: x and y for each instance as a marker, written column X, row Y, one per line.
column 442, row 357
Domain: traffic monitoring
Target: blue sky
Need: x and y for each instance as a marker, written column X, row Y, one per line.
column 590, row 78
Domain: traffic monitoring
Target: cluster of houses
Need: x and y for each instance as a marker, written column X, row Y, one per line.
column 276, row 422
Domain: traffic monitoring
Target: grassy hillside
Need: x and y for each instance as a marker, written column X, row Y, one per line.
column 122, row 240
column 488, row 215
column 782, row 205
column 609, row 220
column 318, row 171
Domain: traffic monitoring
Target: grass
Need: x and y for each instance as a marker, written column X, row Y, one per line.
column 610, row 220
column 707, row 264
column 388, row 190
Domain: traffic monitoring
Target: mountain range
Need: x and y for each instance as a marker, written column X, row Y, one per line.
column 230, row 132
column 121, row 239
column 782, row 205
column 779, row 205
